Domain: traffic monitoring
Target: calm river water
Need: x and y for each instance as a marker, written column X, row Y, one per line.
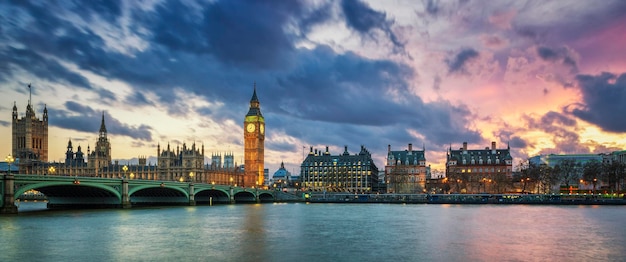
column 317, row 232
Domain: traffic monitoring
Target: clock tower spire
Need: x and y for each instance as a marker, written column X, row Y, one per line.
column 254, row 139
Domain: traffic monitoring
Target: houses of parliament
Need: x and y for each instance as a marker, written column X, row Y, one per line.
column 184, row 163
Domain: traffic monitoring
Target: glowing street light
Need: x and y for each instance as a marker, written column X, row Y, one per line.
column 132, row 175
column 9, row 160
column 125, row 169
column 191, row 176
column 51, row 170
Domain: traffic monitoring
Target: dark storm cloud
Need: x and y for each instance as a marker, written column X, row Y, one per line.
column 236, row 32
column 343, row 88
column 507, row 135
column 432, row 7
column 604, row 99
column 42, row 67
column 553, row 118
column 138, row 99
column 348, row 89
column 85, row 119
column 362, row 18
column 457, row 64
column 574, row 23
column 315, row 16
column 518, row 142
column 107, row 9
column 559, row 55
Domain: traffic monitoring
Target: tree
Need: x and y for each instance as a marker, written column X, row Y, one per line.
column 592, row 170
column 568, row 171
column 614, row 173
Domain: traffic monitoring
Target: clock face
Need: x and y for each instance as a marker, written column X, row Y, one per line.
column 262, row 128
column 250, row 128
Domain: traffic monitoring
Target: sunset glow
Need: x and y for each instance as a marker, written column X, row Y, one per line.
column 542, row 77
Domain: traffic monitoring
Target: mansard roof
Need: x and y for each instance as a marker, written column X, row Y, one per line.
column 407, row 157
column 497, row 156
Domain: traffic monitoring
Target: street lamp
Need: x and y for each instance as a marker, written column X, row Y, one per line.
column 125, row 169
column 231, row 181
column 191, row 176
column 181, row 179
column 484, row 183
column 51, row 170
column 132, row 175
column 9, row 160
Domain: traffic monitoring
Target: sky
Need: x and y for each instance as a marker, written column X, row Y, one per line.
column 539, row 76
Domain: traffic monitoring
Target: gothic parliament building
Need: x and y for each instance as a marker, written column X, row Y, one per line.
column 185, row 164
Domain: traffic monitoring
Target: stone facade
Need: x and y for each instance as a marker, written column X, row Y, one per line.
column 405, row 172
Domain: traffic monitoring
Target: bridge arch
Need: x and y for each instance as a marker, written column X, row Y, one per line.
column 133, row 190
column 158, row 194
column 69, row 193
column 266, row 197
column 51, row 189
column 212, row 195
column 244, row 196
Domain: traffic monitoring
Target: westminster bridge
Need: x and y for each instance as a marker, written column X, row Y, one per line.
column 65, row 191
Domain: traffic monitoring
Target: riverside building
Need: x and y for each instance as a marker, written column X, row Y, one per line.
column 29, row 136
column 479, row 170
column 405, row 172
column 186, row 163
column 321, row 171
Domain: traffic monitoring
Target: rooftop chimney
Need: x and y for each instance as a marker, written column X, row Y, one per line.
column 493, row 145
column 410, row 147
column 464, row 146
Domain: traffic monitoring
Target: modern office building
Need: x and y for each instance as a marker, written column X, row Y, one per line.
column 405, row 171
column 321, row 171
column 553, row 160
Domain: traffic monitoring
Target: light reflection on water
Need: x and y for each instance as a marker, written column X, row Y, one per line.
column 317, row 232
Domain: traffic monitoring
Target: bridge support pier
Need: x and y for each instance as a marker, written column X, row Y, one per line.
column 231, row 196
column 125, row 197
column 192, row 199
column 8, row 203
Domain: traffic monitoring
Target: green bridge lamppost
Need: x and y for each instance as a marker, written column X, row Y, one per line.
column 9, row 206
column 192, row 199
column 10, row 161
column 125, row 169
column 51, row 170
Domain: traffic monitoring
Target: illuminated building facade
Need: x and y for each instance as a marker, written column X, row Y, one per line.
column 479, row 170
column 254, row 144
column 29, row 136
column 180, row 164
column 321, row 171
column 100, row 157
column 405, row 171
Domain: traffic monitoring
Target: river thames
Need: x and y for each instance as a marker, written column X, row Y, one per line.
column 317, row 232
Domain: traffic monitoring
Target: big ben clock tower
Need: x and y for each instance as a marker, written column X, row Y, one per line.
column 254, row 138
